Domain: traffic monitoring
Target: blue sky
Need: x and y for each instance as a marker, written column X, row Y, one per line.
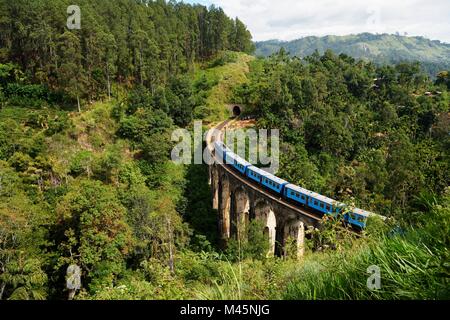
column 291, row 19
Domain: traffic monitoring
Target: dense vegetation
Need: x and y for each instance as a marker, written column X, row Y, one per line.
column 88, row 181
column 126, row 41
column 355, row 131
column 379, row 48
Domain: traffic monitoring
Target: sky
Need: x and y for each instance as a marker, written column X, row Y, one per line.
column 293, row 19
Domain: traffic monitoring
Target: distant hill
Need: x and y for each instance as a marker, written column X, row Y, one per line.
column 384, row 48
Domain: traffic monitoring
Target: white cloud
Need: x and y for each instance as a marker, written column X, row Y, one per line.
column 291, row 19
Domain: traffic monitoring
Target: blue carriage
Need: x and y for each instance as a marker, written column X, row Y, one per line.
column 358, row 217
column 273, row 182
column 324, row 204
column 297, row 193
column 237, row 162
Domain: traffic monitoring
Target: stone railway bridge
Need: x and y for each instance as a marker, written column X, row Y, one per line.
column 238, row 201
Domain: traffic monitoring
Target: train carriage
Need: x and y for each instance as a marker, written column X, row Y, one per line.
column 255, row 173
column 220, row 151
column 273, row 182
column 358, row 217
column 297, row 193
column 237, row 162
column 324, row 204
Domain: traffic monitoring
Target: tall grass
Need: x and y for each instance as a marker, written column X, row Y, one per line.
column 413, row 264
column 409, row 270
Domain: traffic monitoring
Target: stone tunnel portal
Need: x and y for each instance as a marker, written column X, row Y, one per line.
column 237, row 111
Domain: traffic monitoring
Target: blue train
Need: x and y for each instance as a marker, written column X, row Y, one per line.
column 303, row 197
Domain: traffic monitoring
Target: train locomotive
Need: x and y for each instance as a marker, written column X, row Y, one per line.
column 290, row 192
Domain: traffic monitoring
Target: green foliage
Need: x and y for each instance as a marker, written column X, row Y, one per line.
column 149, row 43
column 92, row 232
column 253, row 243
column 81, row 163
column 97, row 188
column 381, row 49
column 223, row 59
column 199, row 213
column 351, row 130
column 443, row 79
column 22, row 273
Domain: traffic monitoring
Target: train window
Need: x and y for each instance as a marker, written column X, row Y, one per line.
column 321, row 205
column 316, row 202
column 328, row 208
column 303, row 198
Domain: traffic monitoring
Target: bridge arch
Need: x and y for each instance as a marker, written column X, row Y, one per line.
column 240, row 213
column 215, row 185
column 294, row 238
column 224, row 207
column 264, row 212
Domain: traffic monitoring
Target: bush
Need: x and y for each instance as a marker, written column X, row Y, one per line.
column 256, row 247
column 81, row 163
column 223, row 59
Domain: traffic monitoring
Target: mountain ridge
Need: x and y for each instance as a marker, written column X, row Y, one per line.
column 434, row 55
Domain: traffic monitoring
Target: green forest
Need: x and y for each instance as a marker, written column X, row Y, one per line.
column 86, row 118
column 434, row 55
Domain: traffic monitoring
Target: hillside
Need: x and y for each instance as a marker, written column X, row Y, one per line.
column 381, row 49
column 222, row 75
column 112, row 156
column 92, row 207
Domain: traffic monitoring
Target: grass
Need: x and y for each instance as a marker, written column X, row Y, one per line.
column 413, row 265
column 405, row 268
column 227, row 77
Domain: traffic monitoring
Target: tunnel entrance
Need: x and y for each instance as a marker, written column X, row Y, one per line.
column 236, row 111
